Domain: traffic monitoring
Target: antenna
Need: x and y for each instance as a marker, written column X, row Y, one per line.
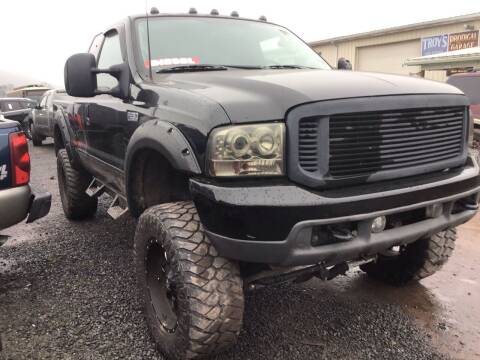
column 150, row 74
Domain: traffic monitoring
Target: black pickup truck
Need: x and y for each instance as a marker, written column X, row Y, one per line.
column 17, row 199
column 250, row 161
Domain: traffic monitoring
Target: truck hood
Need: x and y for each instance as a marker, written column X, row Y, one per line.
column 261, row 95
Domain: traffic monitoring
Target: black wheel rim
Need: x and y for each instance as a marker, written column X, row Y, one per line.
column 161, row 286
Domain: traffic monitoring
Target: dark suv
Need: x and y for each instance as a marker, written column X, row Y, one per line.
column 18, row 109
column 250, row 161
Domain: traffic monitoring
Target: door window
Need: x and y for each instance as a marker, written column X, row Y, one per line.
column 50, row 100
column 111, row 54
column 96, row 44
column 10, row 105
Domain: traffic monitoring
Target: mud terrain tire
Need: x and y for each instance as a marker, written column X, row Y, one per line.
column 77, row 205
column 194, row 301
column 415, row 261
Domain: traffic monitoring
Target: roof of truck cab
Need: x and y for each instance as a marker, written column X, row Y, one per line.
column 15, row 99
column 186, row 15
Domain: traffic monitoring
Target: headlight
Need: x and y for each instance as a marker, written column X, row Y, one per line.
column 246, row 150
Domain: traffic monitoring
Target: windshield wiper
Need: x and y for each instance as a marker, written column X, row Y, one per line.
column 191, row 68
column 286, row 67
column 246, row 67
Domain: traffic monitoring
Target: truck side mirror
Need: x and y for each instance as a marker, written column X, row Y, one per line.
column 344, row 64
column 81, row 77
column 80, row 80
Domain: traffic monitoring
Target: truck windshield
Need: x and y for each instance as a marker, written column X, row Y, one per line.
column 178, row 41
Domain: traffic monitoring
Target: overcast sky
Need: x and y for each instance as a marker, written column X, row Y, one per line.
column 38, row 35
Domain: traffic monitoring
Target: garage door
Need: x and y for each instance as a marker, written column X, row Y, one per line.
column 388, row 58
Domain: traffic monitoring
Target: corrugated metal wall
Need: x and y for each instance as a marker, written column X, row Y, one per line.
column 349, row 49
column 388, row 57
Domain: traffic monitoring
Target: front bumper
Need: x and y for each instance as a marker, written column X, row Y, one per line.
column 16, row 203
column 275, row 224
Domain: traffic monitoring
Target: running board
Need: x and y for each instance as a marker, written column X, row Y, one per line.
column 117, row 208
column 95, row 189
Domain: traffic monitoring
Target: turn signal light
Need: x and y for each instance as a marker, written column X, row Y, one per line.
column 19, row 158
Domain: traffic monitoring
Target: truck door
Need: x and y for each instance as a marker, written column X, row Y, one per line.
column 106, row 115
column 41, row 115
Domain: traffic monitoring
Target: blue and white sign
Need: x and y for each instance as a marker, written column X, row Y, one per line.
column 434, row 44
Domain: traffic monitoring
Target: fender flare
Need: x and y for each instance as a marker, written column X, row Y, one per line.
column 166, row 139
column 61, row 123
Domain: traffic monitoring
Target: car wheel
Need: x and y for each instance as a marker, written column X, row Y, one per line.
column 77, row 205
column 193, row 298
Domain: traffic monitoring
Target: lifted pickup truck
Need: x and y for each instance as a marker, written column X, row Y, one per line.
column 17, row 200
column 250, row 161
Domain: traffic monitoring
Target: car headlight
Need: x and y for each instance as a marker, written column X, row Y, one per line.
column 246, row 150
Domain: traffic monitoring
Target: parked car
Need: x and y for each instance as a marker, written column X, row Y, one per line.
column 18, row 109
column 469, row 83
column 250, row 162
column 17, row 199
column 42, row 118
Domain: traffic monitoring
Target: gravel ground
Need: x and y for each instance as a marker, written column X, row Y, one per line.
column 67, row 291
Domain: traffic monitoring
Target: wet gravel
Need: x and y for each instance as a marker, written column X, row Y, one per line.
column 67, row 291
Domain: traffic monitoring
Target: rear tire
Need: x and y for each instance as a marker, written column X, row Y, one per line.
column 415, row 261
column 77, row 205
column 193, row 298
column 36, row 138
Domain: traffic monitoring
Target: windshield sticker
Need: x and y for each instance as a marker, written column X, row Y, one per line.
column 173, row 61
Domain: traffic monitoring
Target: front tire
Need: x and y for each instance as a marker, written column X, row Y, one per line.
column 415, row 261
column 77, row 205
column 193, row 298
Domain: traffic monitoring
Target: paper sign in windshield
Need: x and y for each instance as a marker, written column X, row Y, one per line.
column 174, row 61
